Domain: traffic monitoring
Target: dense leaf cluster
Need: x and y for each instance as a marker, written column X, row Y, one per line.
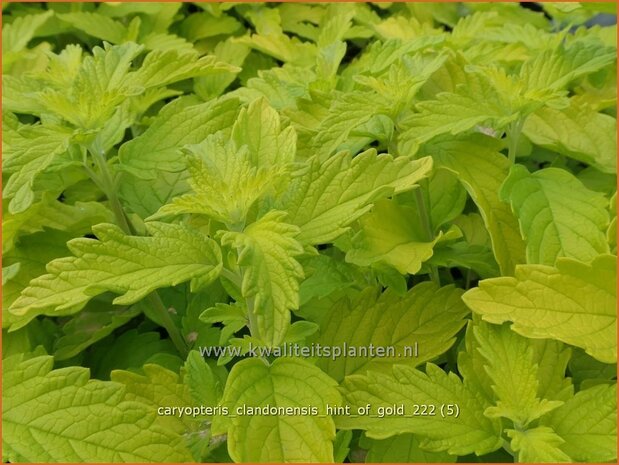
column 182, row 176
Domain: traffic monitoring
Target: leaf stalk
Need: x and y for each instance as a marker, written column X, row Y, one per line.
column 109, row 186
column 515, row 129
column 424, row 217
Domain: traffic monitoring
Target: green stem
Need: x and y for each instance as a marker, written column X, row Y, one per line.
column 109, row 186
column 162, row 314
column 237, row 280
column 515, row 129
column 232, row 277
column 253, row 321
column 508, row 449
column 424, row 217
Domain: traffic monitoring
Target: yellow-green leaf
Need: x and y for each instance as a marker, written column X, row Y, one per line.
column 132, row 266
column 281, row 437
column 481, row 168
column 573, row 302
column 558, row 215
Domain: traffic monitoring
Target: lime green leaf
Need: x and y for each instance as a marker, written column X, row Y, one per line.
column 399, row 27
column 17, row 34
column 158, row 148
column 9, row 272
column 100, row 85
column 61, row 415
column 271, row 273
column 229, row 51
column 588, row 424
column 475, row 103
column 203, row 384
column 403, row 448
column 225, row 183
column 201, row 25
column 341, row 446
column 468, row 432
column 281, row 86
column 556, row 68
column 538, row 445
column 53, row 214
column 593, row 92
column 63, row 67
column 557, row 303
column 446, row 197
column 258, row 127
column 347, row 111
column 165, row 42
column 378, row 129
column 97, row 25
column 511, row 365
column 472, row 226
column 331, row 195
column 481, row 169
column 393, row 234
column 325, row 275
column 233, row 317
column 160, row 12
column 144, row 197
column 474, row 24
column 472, row 365
column 558, row 215
column 163, row 67
column 417, row 327
column 157, row 387
column 491, row 97
column 31, row 255
column 388, row 95
column 380, row 55
column 20, row 95
column 26, row 154
column 281, row 47
column 576, row 132
column 552, row 358
column 128, row 265
column 547, row 358
column 287, row 383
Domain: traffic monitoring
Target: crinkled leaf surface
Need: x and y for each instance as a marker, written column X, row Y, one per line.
column 481, row 169
column 573, row 302
column 393, row 234
column 158, row 148
column 470, row 432
column 558, row 216
column 128, row 265
column 576, row 132
column 427, row 318
column 287, row 382
column 331, row 195
column 539, row 444
column 61, row 415
column 588, row 424
column 267, row 250
column 510, row 362
column 224, row 181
